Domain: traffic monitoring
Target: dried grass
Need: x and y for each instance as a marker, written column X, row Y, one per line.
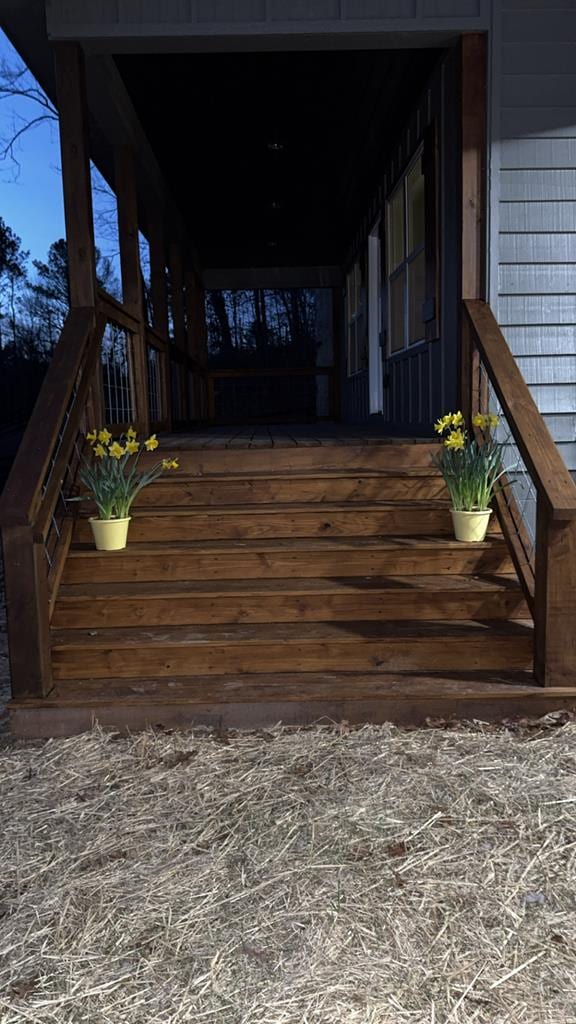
column 376, row 876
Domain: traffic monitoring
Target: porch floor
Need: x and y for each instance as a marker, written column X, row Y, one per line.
column 282, row 435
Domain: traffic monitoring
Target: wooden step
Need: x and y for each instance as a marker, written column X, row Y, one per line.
column 287, row 686
column 274, row 521
column 289, row 558
column 102, row 605
column 416, row 646
column 256, row 701
column 378, row 455
column 271, row 488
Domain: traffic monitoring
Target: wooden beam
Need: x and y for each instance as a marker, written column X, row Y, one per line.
column 132, row 289
column 76, row 182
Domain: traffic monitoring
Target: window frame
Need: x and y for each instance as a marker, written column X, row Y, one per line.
column 402, row 269
column 354, row 366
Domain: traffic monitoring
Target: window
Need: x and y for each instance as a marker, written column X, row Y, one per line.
column 406, row 258
column 357, row 328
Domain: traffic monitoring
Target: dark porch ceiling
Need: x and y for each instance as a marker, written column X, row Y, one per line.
column 272, row 157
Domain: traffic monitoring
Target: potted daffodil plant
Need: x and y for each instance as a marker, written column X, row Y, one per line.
column 113, row 480
column 472, row 468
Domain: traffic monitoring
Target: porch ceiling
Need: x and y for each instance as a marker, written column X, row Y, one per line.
column 271, row 157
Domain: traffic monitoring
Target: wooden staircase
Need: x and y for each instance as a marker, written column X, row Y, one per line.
column 288, row 584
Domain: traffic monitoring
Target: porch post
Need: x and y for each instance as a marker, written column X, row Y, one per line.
column 473, row 208
column 157, row 241
column 132, row 290
column 555, row 599
column 178, row 315
column 76, row 183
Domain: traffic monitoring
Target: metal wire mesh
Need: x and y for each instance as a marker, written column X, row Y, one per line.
column 521, row 494
column 154, row 385
column 116, row 375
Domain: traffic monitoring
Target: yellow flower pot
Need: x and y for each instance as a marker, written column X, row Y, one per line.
column 110, row 534
column 471, row 527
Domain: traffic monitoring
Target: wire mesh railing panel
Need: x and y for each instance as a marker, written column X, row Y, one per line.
column 154, row 384
column 520, row 493
column 117, row 375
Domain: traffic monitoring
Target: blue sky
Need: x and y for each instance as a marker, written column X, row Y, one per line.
column 31, row 201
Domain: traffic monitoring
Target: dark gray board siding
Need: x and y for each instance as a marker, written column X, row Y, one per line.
column 533, row 188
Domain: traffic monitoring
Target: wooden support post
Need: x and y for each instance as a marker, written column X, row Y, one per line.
column 473, row 213
column 76, row 183
column 158, row 282
column 132, row 290
column 178, row 316
column 27, row 611
column 555, row 600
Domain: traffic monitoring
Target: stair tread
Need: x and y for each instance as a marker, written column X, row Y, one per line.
column 291, row 686
column 288, row 633
column 267, row 508
column 384, row 543
column 330, row 473
column 437, row 584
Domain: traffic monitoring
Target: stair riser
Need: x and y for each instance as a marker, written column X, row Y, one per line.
column 392, row 655
column 276, row 565
column 74, row 613
column 259, row 525
column 170, row 492
column 354, row 457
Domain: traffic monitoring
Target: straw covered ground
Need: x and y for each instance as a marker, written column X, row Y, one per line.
column 326, row 876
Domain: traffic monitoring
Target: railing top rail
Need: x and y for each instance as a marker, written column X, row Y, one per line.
column 116, row 312
column 535, row 443
column 22, row 494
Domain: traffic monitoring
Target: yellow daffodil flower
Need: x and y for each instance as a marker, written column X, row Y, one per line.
column 116, row 450
column 131, row 434
column 132, row 447
column 152, row 443
column 443, row 423
column 455, row 440
column 91, row 435
column 457, row 419
column 169, row 463
column 104, row 436
column 100, row 451
column 493, row 420
column 478, row 420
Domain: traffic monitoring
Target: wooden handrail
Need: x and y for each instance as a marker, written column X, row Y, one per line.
column 23, row 493
column 549, row 580
column 535, row 443
column 115, row 311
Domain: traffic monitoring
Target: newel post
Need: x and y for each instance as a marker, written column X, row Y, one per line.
column 132, row 290
column 555, row 600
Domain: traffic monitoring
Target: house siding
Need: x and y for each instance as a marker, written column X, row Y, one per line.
column 533, row 201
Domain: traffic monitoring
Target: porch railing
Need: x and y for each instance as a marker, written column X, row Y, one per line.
column 90, row 381
column 537, row 512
